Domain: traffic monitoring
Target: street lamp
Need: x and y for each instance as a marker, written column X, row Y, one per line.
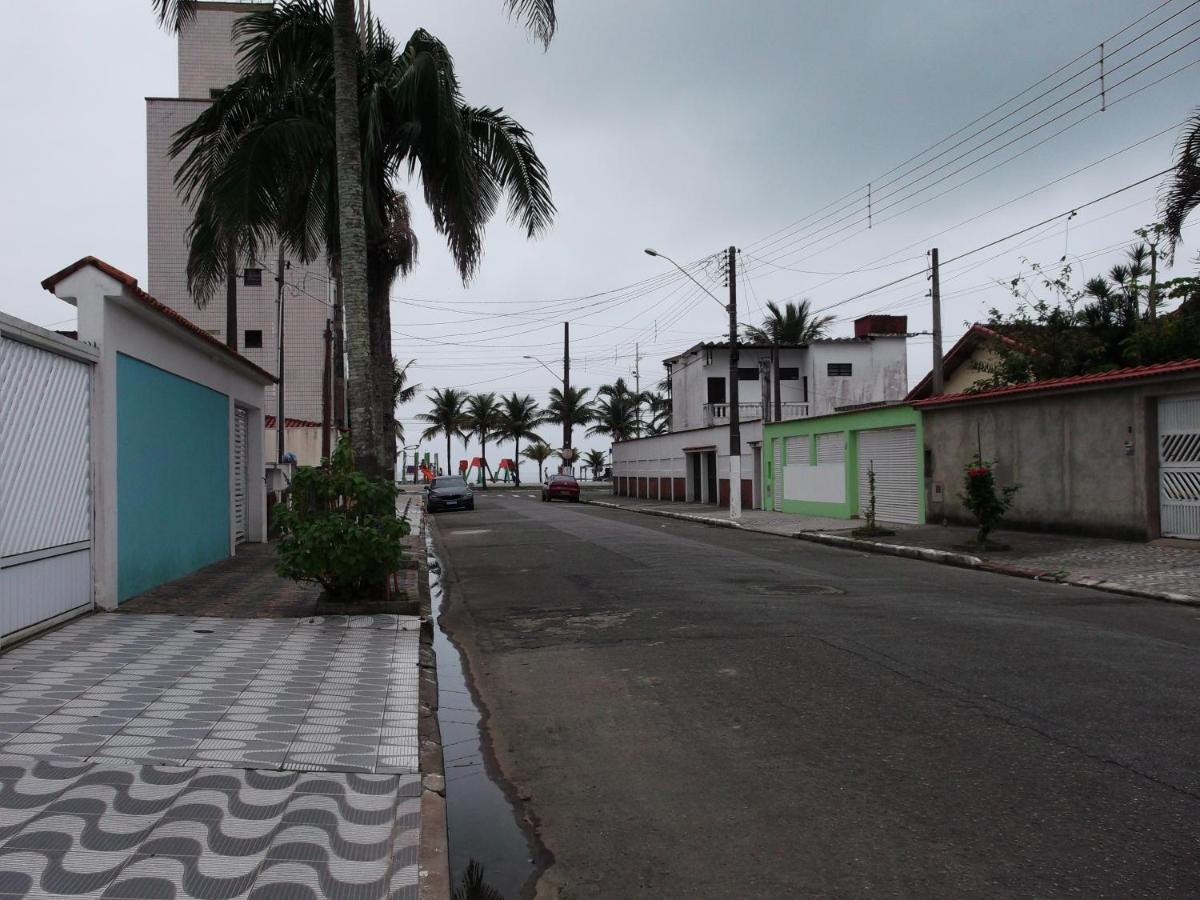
column 568, row 453
column 735, row 434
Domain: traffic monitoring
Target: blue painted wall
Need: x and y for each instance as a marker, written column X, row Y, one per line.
column 172, row 476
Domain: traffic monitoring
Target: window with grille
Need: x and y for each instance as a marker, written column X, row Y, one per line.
column 840, row 370
column 748, row 374
column 253, row 339
column 252, row 278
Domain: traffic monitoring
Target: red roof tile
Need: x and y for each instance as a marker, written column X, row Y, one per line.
column 1116, row 376
column 132, row 283
column 289, row 422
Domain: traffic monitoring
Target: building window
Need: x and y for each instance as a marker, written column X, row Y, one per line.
column 790, row 373
column 748, row 374
column 215, row 93
column 840, row 370
column 253, row 339
column 252, row 278
column 716, row 390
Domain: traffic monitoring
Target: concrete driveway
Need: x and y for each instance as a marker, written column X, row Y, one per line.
column 177, row 756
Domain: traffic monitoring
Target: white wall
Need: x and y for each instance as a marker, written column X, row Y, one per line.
column 879, row 364
column 116, row 322
column 663, row 456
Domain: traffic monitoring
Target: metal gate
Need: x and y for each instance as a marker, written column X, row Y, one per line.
column 240, row 422
column 1179, row 466
column 777, row 482
column 45, row 480
column 893, row 453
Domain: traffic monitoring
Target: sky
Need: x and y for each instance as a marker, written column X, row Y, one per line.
column 687, row 126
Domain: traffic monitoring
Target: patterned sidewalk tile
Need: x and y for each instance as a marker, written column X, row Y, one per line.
column 203, row 691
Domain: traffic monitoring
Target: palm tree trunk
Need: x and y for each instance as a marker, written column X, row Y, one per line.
column 483, row 460
column 380, row 275
column 448, row 436
column 517, row 460
column 364, row 395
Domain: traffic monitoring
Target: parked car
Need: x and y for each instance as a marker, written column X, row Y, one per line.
column 561, row 487
column 449, row 492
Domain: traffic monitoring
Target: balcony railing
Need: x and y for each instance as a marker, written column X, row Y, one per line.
column 718, row 413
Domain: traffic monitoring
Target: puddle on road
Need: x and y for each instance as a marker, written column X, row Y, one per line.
column 482, row 822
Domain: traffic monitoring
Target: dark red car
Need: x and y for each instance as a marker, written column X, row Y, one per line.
column 561, row 487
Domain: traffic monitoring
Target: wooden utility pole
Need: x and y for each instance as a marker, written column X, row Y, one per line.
column 279, row 418
column 637, row 385
column 935, row 292
column 764, row 380
column 735, row 431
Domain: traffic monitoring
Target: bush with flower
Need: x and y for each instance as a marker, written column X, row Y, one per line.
column 982, row 498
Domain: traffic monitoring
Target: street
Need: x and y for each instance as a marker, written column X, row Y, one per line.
column 690, row 711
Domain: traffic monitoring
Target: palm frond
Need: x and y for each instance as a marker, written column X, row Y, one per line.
column 505, row 153
column 174, row 14
column 1181, row 195
column 539, row 15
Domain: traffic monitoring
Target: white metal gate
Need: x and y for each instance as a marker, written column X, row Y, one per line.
column 777, row 482
column 893, row 453
column 1179, row 466
column 45, row 481
column 240, row 422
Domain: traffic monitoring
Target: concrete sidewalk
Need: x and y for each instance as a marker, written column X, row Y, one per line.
column 1161, row 570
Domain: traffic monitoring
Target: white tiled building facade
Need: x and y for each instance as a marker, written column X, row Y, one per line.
column 207, row 63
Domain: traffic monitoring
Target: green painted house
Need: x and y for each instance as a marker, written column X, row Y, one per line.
column 821, row 466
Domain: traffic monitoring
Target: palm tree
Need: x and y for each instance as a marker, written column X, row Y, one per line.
column 286, row 133
column 659, row 407
column 445, row 417
column 1181, row 194
column 615, row 416
column 402, row 392
column 595, row 461
column 793, row 324
column 484, row 418
column 570, row 410
column 520, row 417
column 539, row 453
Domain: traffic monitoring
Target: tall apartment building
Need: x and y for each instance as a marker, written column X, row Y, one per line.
column 208, row 63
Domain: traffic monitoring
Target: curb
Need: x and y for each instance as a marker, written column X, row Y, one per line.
column 943, row 557
column 433, row 853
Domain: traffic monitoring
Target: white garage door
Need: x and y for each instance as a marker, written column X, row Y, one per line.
column 777, row 483
column 893, row 453
column 240, row 422
column 1179, row 466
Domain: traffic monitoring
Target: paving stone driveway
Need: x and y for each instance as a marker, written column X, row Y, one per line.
column 177, row 756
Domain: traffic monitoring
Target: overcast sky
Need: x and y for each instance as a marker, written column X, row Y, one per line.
column 685, row 125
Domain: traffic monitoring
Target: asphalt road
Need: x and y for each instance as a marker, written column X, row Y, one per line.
column 700, row 712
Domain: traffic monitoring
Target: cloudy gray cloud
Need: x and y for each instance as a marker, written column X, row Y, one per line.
column 687, row 125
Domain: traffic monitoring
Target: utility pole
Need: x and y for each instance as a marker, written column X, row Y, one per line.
column 764, row 380
column 935, row 292
column 327, row 393
column 231, row 316
column 776, row 386
column 735, row 431
column 1153, row 302
column 637, row 385
column 279, row 419
column 566, row 391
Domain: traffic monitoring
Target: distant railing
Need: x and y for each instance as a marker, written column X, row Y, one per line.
column 718, row 413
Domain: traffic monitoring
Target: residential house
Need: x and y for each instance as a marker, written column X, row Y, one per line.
column 128, row 457
column 691, row 462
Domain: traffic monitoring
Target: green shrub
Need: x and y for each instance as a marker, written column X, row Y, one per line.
column 982, row 499
column 340, row 530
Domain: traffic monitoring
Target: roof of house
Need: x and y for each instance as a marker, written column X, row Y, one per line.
column 724, row 345
column 1050, row 385
column 960, row 353
column 151, row 303
column 289, row 422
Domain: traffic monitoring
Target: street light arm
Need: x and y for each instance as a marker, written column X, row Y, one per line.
column 544, row 366
column 662, row 255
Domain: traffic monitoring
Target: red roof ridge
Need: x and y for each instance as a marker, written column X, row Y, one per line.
column 158, row 306
column 1131, row 373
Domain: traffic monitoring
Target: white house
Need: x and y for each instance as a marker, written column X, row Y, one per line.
column 133, row 455
column 691, row 463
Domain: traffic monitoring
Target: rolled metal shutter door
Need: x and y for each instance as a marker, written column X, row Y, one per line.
column 893, row 451
column 239, row 475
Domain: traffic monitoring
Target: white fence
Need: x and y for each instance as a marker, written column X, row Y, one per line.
column 45, row 478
